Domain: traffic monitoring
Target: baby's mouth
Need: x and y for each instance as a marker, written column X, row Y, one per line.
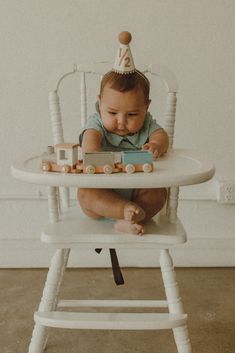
column 122, row 132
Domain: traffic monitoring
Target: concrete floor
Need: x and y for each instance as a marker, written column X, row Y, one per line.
column 208, row 295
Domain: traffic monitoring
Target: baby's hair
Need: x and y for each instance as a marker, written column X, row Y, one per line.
column 126, row 82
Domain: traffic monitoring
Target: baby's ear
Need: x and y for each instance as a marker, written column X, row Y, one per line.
column 148, row 103
column 97, row 107
column 97, row 104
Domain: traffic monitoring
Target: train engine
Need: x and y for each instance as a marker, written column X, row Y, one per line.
column 63, row 158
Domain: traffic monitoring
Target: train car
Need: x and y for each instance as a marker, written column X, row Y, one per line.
column 65, row 159
column 137, row 161
column 100, row 162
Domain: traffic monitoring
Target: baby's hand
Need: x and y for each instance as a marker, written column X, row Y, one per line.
column 153, row 147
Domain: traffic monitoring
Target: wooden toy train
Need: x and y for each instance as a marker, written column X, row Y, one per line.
column 64, row 158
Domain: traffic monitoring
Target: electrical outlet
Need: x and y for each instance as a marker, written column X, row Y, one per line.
column 226, row 191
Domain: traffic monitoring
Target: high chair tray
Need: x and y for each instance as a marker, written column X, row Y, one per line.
column 177, row 167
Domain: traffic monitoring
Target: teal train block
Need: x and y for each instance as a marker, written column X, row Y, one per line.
column 137, row 157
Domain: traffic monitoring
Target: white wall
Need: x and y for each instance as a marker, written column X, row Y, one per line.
column 194, row 38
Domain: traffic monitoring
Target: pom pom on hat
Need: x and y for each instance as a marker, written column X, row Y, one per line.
column 124, row 63
column 125, row 37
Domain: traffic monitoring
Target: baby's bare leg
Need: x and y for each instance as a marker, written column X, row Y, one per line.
column 130, row 216
column 150, row 200
column 98, row 203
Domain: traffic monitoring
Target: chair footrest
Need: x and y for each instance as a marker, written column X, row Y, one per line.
column 111, row 321
column 108, row 303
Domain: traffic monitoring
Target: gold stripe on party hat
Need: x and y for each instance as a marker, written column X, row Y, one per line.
column 124, row 63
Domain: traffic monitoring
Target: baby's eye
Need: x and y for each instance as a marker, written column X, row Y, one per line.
column 112, row 113
column 132, row 114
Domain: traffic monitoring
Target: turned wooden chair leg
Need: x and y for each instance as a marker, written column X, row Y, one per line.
column 49, row 298
column 174, row 301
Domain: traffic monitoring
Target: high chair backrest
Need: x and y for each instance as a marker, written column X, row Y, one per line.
column 98, row 70
column 84, row 72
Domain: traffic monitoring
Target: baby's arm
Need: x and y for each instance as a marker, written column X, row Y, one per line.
column 158, row 143
column 91, row 141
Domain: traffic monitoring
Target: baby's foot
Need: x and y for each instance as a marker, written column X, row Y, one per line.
column 125, row 226
column 133, row 213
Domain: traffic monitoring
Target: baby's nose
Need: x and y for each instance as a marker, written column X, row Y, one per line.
column 121, row 121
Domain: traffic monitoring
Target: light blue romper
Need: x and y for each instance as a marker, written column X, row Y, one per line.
column 113, row 142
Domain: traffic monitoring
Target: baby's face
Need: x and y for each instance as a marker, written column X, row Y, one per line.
column 122, row 113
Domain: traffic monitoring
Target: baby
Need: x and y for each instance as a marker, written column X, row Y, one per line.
column 122, row 122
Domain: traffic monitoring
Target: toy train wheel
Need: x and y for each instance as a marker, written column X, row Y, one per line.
column 107, row 169
column 147, row 168
column 46, row 166
column 130, row 168
column 65, row 168
column 90, row 169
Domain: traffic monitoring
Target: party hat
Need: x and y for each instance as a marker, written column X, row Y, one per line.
column 124, row 63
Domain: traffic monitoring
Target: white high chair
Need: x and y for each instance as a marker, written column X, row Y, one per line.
column 68, row 230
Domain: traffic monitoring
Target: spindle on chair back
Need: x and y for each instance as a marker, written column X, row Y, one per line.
column 57, row 121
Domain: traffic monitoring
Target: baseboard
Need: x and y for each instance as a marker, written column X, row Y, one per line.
column 197, row 252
